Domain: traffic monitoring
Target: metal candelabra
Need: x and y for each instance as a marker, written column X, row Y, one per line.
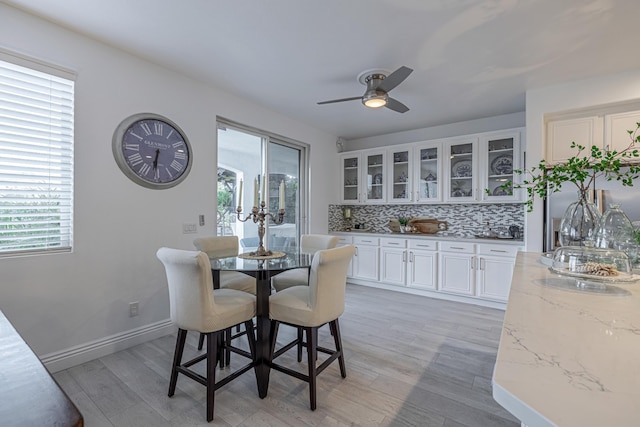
column 258, row 215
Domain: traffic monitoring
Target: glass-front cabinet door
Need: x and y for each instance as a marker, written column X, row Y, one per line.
column 350, row 177
column 461, row 168
column 500, row 154
column 375, row 177
column 363, row 177
column 427, row 177
column 400, row 175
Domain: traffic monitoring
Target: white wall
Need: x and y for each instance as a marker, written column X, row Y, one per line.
column 59, row 302
column 624, row 87
column 487, row 124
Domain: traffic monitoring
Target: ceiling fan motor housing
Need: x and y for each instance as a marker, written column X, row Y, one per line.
column 374, row 97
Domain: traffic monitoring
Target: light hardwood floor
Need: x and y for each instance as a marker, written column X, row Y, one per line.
column 411, row 361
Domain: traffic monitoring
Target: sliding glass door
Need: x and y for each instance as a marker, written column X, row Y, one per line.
column 267, row 166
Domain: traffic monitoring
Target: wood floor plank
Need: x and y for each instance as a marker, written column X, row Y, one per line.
column 411, row 361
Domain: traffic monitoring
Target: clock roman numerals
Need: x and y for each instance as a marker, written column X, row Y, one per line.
column 157, row 128
column 135, row 159
column 144, row 169
column 180, row 155
column 145, row 128
column 176, row 165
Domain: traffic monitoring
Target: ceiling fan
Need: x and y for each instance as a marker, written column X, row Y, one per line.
column 378, row 87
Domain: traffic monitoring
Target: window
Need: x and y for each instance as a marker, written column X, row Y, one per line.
column 36, row 158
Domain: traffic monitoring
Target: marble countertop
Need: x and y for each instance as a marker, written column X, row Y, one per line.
column 568, row 357
column 437, row 236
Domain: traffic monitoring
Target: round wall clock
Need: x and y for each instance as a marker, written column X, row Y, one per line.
column 152, row 151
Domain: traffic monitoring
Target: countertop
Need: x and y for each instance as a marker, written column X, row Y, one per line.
column 568, row 357
column 438, row 236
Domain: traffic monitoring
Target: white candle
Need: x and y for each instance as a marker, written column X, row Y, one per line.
column 281, row 194
column 263, row 193
column 240, row 195
column 255, row 191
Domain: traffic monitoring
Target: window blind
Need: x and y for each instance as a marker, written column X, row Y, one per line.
column 36, row 160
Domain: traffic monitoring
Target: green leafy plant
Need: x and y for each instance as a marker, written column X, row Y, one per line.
column 403, row 221
column 581, row 170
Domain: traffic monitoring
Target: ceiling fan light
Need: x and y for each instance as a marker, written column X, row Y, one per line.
column 375, row 102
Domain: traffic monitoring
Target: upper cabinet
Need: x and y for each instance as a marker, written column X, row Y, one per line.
column 363, row 177
column 461, row 170
column 585, row 131
column 452, row 170
column 400, row 160
column 499, row 158
column 617, row 127
column 607, row 129
column 414, row 173
column 427, row 177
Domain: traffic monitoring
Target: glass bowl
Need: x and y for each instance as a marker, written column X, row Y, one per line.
column 592, row 264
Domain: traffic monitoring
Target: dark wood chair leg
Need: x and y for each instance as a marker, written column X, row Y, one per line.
column 201, row 341
column 335, row 331
column 177, row 359
column 300, row 342
column 212, row 354
column 274, row 337
column 312, row 350
column 227, row 343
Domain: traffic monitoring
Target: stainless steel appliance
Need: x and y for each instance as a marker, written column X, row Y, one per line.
column 604, row 193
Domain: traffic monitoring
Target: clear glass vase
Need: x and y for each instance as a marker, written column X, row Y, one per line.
column 579, row 222
column 615, row 231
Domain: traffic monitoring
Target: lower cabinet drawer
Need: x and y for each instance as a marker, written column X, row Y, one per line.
column 462, row 247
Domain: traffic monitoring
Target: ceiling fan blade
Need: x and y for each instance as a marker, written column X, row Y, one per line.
column 395, row 105
column 340, row 100
column 395, row 78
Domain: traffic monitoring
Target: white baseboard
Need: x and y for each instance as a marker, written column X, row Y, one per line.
column 77, row 355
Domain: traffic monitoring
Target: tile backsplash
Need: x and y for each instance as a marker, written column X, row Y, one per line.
column 463, row 220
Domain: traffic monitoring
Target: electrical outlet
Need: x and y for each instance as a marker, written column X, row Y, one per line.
column 201, row 219
column 133, row 309
column 189, row 228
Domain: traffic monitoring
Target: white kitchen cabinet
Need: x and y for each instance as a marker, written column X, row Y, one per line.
column 461, row 169
column 422, row 262
column 366, row 258
column 400, row 181
column 362, row 175
column 345, row 241
column 495, row 264
column 393, row 261
column 499, row 157
column 456, row 263
column 585, row 131
column 427, row 176
column 617, row 127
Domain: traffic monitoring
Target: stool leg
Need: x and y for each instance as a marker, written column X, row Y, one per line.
column 248, row 326
column 227, row 343
column 177, row 359
column 312, row 349
column 335, row 331
column 212, row 353
column 200, row 341
column 300, row 340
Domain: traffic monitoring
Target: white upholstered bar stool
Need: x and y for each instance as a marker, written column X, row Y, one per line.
column 310, row 307
column 221, row 247
column 310, row 244
column 195, row 306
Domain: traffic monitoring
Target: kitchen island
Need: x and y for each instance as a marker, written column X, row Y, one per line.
column 568, row 356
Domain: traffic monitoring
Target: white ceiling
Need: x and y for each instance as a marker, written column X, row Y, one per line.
column 472, row 58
